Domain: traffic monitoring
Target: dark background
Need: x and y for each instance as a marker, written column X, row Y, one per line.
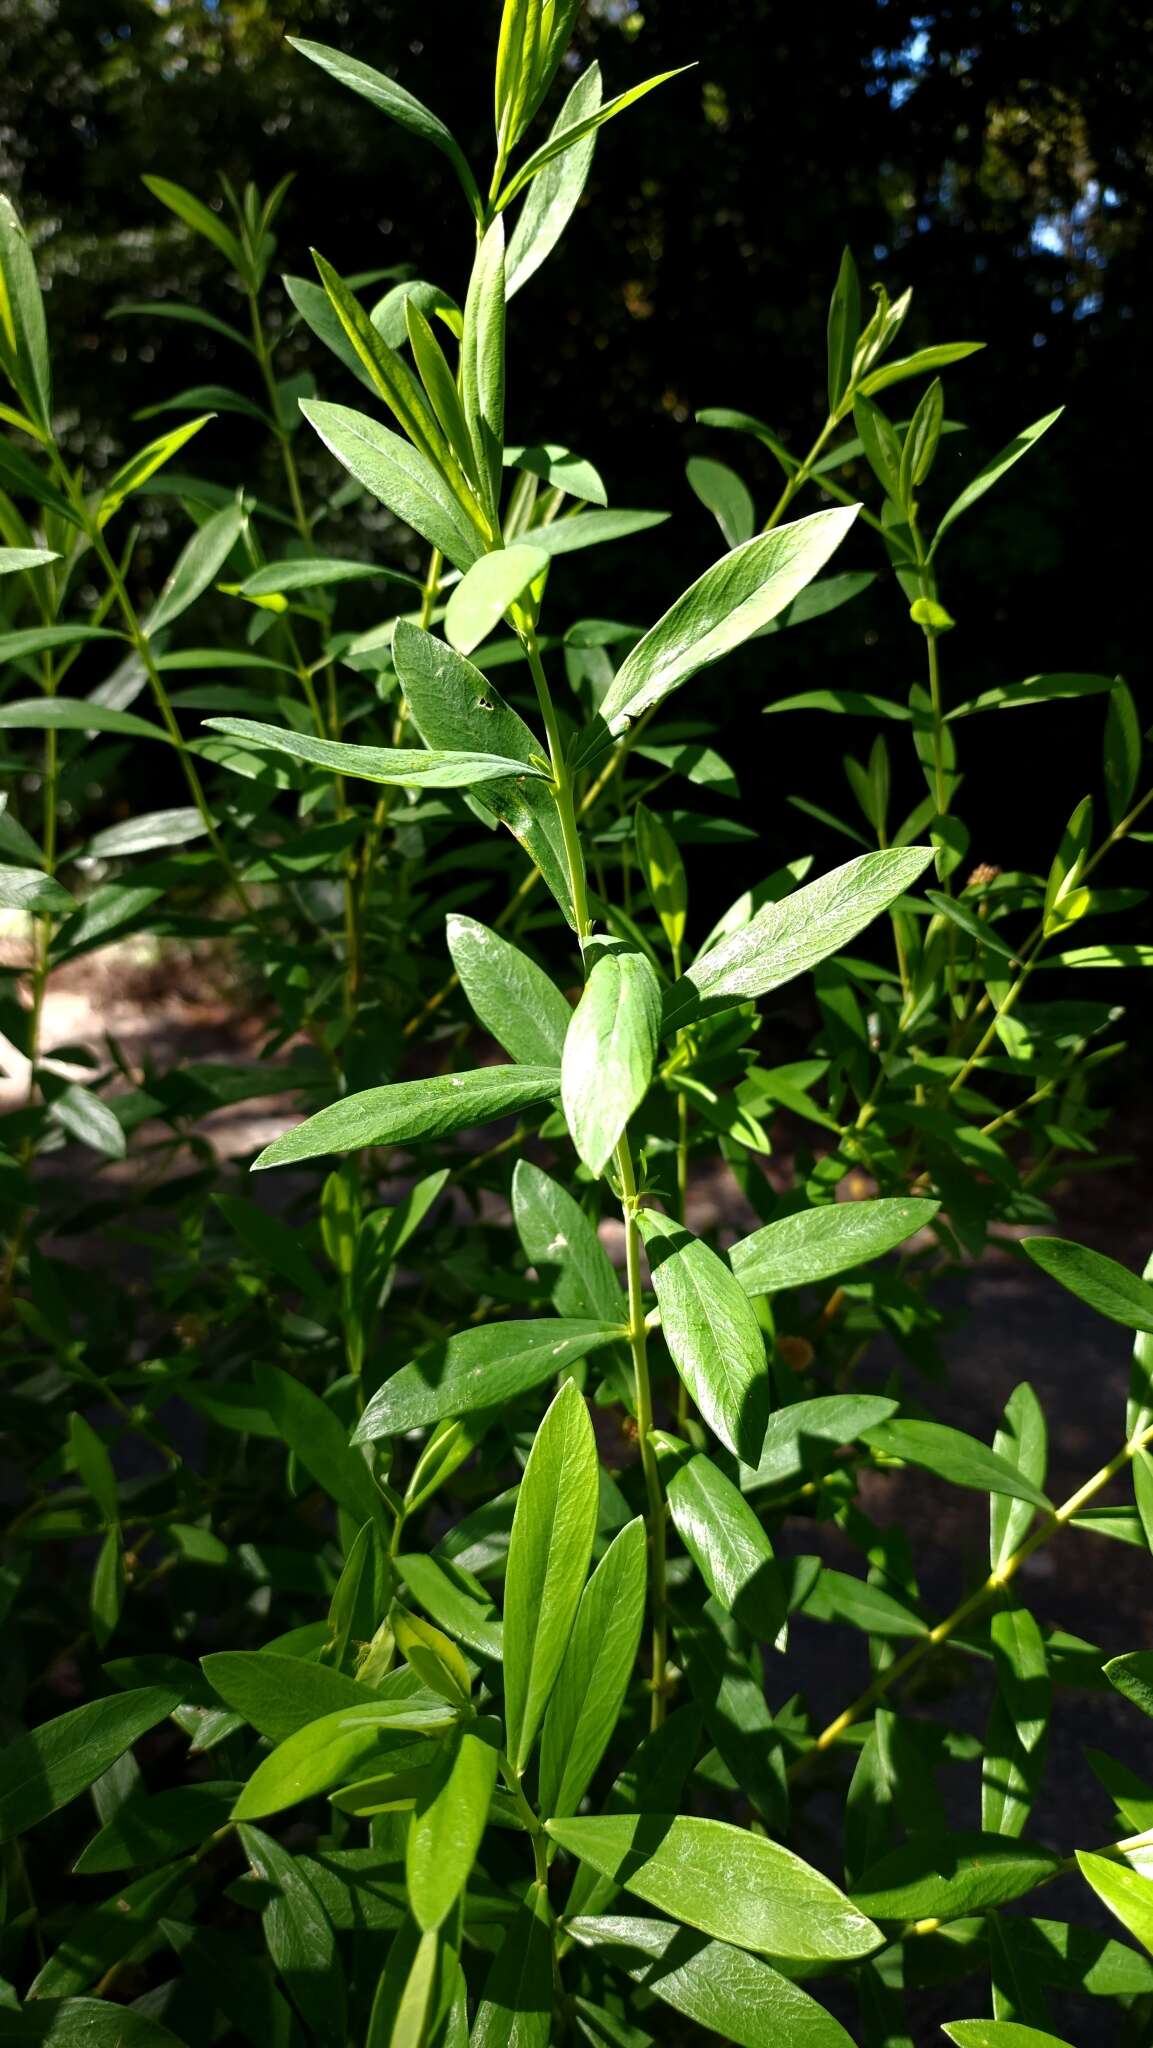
column 996, row 157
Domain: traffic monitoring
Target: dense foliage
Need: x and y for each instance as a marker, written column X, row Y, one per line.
column 421, row 1579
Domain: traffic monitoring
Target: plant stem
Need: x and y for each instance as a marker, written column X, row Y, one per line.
column 977, row 1601
column 799, row 478
column 655, row 1513
column 562, row 788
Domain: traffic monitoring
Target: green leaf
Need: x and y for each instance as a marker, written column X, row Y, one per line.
column 26, row 889
column 510, row 995
column 595, row 1674
column 559, row 1240
column 272, row 1242
column 728, row 1546
column 479, row 1368
column 29, row 640
column 1122, row 750
column 516, row 2006
column 837, row 1596
column 734, row 1994
column 146, row 832
column 943, row 1876
column 724, row 608
column 592, row 529
column 482, row 364
column 1022, row 1441
column 727, row 1680
column 558, row 466
column 400, row 106
column 317, row 1437
column 999, row 2034
column 723, row 493
column 454, row 706
column 453, row 1605
column 135, row 473
column 94, row 1465
column 993, row 472
column 335, row 1749
column 100, row 1938
column 1124, row 1890
column 400, row 767
column 548, row 1558
column 664, row 873
column 953, row 1455
column 449, row 1823
column 489, row 589
column 712, row 1334
column 555, row 192
column 43, row 1771
column 844, row 329
column 739, row 1887
column 1133, row 1676
column 197, row 566
column 83, row 2023
column 413, row 1111
column 388, row 373
column 1109, row 1288
column 814, row 1244
column 151, row 1829
column 563, row 139
column 72, row 714
column 24, row 352
column 785, row 939
column 1014, row 1756
column 935, row 358
column 278, row 1695
column 609, row 1048
column 13, row 560
column 808, row 1432
column 300, row 1939
column 318, row 572
column 198, row 217
column 399, row 475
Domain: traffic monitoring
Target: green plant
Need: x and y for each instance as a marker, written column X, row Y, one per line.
column 511, row 1675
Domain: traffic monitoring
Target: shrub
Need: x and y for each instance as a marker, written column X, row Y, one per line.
column 479, row 1745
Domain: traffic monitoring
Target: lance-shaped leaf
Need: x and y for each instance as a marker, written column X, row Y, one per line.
column 42, row 1771
column 485, row 594
column 335, row 1749
column 318, row 1438
column 1126, row 1892
column 594, row 1677
column 723, row 493
column 609, row 1049
column 511, row 996
column 1014, row 1755
column 14, row 560
column 388, row 372
column 516, row 2006
column 808, row 1432
column 277, row 1694
column 24, row 352
column 548, row 1558
column 413, row 1111
column 135, row 473
column 786, row 939
column 732, row 1993
column 300, row 1938
column 726, row 1678
column 1023, row 1441
column 197, row 565
column 400, row 476
column 563, row 1244
column 813, row 1244
column 993, row 472
column 400, row 106
column 725, row 607
column 563, row 139
column 449, row 1822
column 482, row 363
column 1000, row 2034
column 953, row 1455
column 397, row 767
column 1108, row 1287
column 555, row 192
column 713, row 1336
column 734, row 1885
column 455, row 707
column 728, row 1546
column 944, row 1876
column 479, row 1368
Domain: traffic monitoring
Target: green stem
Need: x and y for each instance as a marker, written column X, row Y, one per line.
column 977, row 1601
column 655, row 1511
column 562, row 788
column 799, row 478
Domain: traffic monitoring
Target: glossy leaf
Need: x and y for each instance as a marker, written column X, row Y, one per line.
column 595, row 1675
column 548, row 1558
column 732, row 1993
column 814, row 1244
column 394, row 100
column 739, row 1887
column 402, row 767
column 554, row 195
column 448, row 1824
column 953, row 1455
column 1111, row 1289
column 279, row 1695
column 728, row 1546
column 481, row 1368
column 609, row 1048
column 399, row 475
column 413, row 1110
column 941, row 1877
column 561, row 1242
column 786, row 939
column 725, row 607
column 993, row 472
column 489, row 590
column 510, row 995
column 1126, row 1892
column 711, row 1332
